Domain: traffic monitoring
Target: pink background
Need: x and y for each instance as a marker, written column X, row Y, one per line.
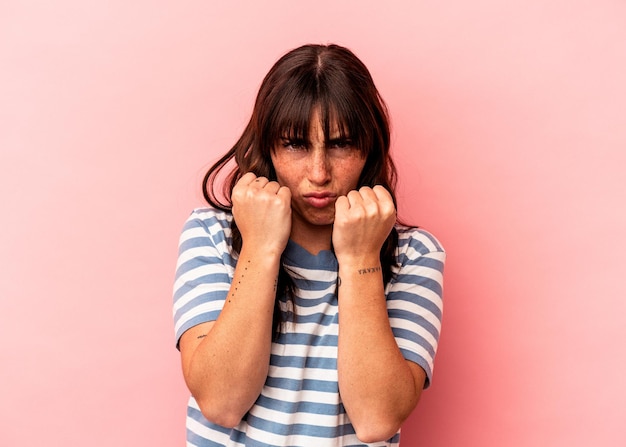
column 510, row 134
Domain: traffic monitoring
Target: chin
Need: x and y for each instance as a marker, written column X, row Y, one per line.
column 322, row 220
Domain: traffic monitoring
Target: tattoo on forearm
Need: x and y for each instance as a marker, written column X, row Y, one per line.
column 245, row 269
column 369, row 270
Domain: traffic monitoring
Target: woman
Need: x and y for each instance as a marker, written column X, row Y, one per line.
column 306, row 315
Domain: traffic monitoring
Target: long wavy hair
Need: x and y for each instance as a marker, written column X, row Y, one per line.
column 328, row 79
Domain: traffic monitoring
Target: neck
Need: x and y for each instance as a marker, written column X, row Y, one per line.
column 313, row 238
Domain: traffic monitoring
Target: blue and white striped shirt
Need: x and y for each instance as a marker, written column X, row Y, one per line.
column 300, row 404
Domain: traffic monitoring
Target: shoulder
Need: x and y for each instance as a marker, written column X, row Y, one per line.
column 207, row 222
column 417, row 239
column 418, row 251
column 208, row 218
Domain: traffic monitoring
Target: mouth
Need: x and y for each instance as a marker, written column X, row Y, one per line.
column 320, row 199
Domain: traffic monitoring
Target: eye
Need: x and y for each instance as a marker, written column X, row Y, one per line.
column 294, row 145
column 341, row 143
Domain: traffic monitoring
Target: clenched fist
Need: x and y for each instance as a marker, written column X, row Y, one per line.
column 262, row 212
column 363, row 220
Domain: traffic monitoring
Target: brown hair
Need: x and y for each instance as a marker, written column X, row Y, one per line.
column 332, row 80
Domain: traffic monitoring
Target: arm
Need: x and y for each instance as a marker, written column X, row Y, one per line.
column 379, row 388
column 225, row 362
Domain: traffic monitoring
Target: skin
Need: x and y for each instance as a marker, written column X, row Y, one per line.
column 318, row 174
column 314, row 201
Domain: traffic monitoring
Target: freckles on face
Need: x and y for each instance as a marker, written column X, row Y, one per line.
column 317, row 163
column 316, row 178
column 317, row 172
column 332, row 166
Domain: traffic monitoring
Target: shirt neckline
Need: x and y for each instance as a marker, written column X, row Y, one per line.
column 298, row 256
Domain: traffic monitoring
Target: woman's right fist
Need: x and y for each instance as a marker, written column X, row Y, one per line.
column 262, row 212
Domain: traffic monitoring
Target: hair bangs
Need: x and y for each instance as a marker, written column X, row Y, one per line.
column 290, row 115
column 341, row 112
column 345, row 111
column 341, row 120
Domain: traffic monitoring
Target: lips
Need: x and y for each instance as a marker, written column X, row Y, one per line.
column 319, row 199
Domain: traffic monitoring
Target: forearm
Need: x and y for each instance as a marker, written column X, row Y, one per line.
column 229, row 365
column 377, row 385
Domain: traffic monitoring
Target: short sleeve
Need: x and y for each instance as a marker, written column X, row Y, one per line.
column 204, row 269
column 415, row 297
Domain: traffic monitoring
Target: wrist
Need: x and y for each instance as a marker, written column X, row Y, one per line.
column 261, row 256
column 263, row 249
column 358, row 263
column 360, row 271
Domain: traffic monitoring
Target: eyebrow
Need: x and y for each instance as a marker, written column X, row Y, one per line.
column 298, row 135
column 345, row 139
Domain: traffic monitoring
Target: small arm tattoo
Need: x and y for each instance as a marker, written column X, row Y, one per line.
column 245, row 270
column 369, row 270
column 202, row 335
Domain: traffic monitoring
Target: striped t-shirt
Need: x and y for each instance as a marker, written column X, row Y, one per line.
column 300, row 404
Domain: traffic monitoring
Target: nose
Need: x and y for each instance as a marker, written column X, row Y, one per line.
column 319, row 167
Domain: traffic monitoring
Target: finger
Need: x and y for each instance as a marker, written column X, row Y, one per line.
column 260, row 182
column 272, row 187
column 368, row 194
column 385, row 201
column 341, row 205
column 355, row 198
column 370, row 201
column 285, row 193
column 381, row 193
column 247, row 178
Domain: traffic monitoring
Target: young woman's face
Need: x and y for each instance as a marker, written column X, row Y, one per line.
column 317, row 172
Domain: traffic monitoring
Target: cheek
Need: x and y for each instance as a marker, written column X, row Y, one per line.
column 284, row 172
column 351, row 171
column 276, row 165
